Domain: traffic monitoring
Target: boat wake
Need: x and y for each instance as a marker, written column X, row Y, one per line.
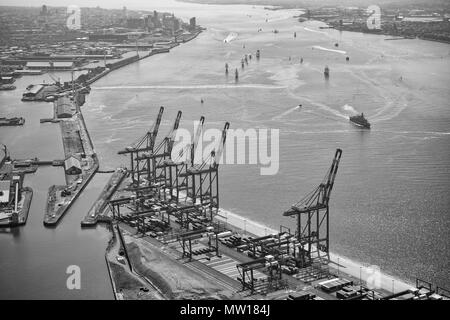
column 319, row 105
column 330, row 50
column 232, row 36
column 207, row 86
column 315, row 31
column 286, row 113
column 350, row 109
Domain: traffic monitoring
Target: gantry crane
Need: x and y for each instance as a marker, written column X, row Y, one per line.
column 312, row 214
column 176, row 167
column 155, row 158
column 143, row 145
column 202, row 180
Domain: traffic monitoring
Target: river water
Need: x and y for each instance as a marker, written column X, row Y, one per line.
column 389, row 205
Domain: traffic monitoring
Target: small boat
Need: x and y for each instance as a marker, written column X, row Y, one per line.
column 326, row 72
column 360, row 121
column 7, row 87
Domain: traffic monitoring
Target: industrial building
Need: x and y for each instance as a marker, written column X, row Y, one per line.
column 64, row 108
column 5, row 186
column 72, row 166
column 50, row 65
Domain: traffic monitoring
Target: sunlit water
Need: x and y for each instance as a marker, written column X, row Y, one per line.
column 389, row 205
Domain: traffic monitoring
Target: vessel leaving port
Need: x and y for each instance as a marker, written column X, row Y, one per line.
column 359, row 120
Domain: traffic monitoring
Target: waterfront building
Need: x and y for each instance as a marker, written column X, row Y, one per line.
column 5, row 186
column 64, row 108
column 50, row 65
column 72, row 166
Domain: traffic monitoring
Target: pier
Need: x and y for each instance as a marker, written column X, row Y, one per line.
column 80, row 165
column 100, row 204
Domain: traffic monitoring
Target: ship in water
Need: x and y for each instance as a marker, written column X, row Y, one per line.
column 359, row 120
column 326, row 72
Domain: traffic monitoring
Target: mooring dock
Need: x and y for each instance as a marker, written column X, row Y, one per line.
column 101, row 203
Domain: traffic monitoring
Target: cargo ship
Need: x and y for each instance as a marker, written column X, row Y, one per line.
column 359, row 120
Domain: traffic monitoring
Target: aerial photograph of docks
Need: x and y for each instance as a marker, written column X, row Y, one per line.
column 233, row 150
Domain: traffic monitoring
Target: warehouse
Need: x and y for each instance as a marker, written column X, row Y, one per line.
column 72, row 166
column 50, row 65
column 64, row 108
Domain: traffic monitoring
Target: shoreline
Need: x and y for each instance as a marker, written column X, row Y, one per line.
column 395, row 37
column 346, row 265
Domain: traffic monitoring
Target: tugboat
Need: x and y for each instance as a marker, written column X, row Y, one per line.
column 359, row 120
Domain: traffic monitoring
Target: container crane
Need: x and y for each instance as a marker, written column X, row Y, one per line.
column 203, row 179
column 143, row 145
column 312, row 213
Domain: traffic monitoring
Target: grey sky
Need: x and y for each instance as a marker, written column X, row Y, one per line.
column 146, row 4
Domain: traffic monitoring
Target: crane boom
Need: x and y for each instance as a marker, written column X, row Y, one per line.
column 156, row 128
column 331, row 176
column 216, row 155
column 318, row 198
column 149, row 138
column 167, row 143
column 196, row 138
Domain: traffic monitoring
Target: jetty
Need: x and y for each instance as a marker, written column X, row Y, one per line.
column 80, row 165
column 100, row 204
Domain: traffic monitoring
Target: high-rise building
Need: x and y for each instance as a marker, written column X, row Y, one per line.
column 192, row 23
column 44, row 10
